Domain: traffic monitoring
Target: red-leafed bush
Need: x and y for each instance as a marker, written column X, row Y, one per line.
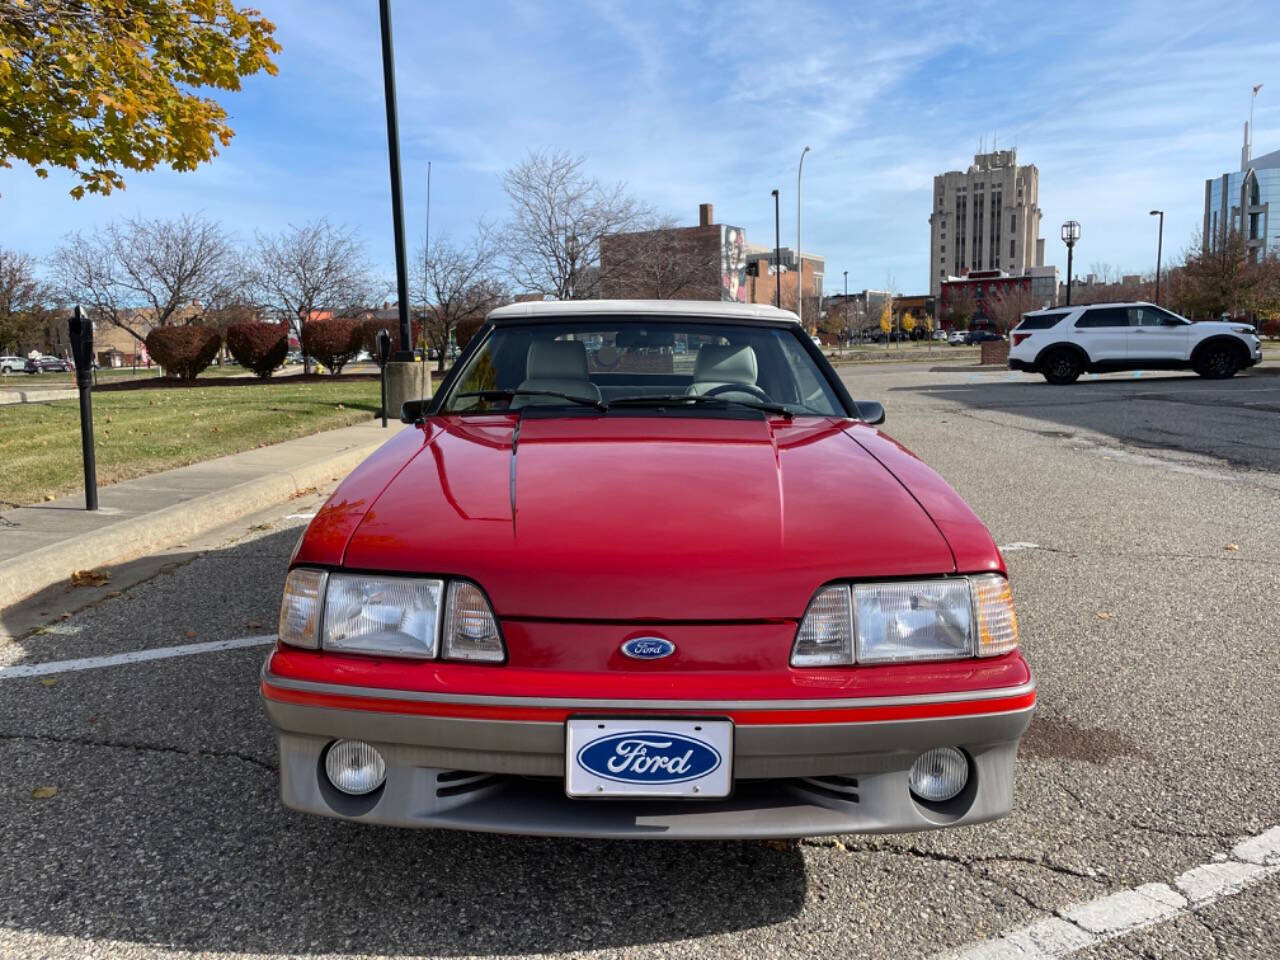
column 334, row 341
column 184, row 350
column 260, row 347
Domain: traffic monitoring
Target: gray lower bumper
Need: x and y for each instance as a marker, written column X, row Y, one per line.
column 507, row 777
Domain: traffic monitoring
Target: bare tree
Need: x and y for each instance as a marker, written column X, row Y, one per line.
column 140, row 274
column 551, row 245
column 1005, row 309
column 25, row 301
column 660, row 262
column 304, row 269
column 456, row 283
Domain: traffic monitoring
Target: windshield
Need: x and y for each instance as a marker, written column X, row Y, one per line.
column 639, row 363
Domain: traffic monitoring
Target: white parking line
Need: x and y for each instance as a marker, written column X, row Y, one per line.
column 133, row 656
column 1117, row 914
column 1019, row 545
column 301, row 516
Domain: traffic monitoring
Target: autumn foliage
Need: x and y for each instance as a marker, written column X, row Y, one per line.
column 100, row 85
column 334, row 341
column 184, row 350
column 260, row 347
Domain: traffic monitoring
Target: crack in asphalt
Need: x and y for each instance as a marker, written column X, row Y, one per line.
column 140, row 747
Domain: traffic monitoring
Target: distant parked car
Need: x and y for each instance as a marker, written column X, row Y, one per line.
column 13, row 365
column 956, row 338
column 939, row 334
column 47, row 365
column 1064, row 343
column 982, row 336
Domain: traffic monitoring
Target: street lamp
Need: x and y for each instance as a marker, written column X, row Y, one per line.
column 777, row 255
column 799, row 255
column 397, row 207
column 1070, row 234
column 848, row 332
column 1159, row 250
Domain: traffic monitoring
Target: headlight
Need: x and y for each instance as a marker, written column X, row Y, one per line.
column 397, row 616
column 944, row 619
column 924, row 620
column 300, row 608
column 394, row 616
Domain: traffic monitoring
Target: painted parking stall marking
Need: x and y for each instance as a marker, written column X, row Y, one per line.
column 1116, row 914
column 132, row 656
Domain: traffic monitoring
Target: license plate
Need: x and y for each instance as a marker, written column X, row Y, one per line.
column 648, row 758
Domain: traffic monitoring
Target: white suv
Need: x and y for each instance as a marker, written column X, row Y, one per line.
column 12, row 364
column 1063, row 343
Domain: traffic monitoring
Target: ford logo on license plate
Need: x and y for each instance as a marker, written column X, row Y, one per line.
column 649, row 756
column 648, row 648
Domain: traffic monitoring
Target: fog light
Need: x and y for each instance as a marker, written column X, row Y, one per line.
column 939, row 774
column 354, row 767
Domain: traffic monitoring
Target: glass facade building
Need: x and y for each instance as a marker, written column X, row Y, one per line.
column 1242, row 201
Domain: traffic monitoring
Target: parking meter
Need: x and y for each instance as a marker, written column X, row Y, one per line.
column 80, row 328
column 384, row 354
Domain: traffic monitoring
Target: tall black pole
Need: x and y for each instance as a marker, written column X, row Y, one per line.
column 1070, row 247
column 81, row 330
column 1159, row 251
column 777, row 255
column 397, row 205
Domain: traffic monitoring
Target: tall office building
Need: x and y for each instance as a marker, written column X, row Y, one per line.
column 1241, row 201
column 985, row 218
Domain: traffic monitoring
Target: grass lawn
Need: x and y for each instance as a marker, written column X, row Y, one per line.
column 142, row 431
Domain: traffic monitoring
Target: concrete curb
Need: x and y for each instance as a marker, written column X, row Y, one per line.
column 23, row 576
column 36, row 396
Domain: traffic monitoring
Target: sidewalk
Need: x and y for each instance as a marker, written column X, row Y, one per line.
column 44, row 544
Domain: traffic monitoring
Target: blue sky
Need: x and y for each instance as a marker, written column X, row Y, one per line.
column 1123, row 107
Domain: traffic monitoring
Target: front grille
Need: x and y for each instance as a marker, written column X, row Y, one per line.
column 454, row 783
column 837, row 788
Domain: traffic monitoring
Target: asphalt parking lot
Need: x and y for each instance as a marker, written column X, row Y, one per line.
column 138, row 815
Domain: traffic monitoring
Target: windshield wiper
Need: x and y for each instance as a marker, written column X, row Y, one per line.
column 512, row 394
column 666, row 400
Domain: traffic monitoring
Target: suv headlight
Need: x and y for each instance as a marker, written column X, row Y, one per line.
column 907, row 621
column 392, row 616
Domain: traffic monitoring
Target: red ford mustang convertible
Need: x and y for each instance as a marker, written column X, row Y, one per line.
column 645, row 569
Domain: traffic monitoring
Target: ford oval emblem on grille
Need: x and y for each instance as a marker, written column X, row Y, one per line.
column 649, row 756
column 648, row 648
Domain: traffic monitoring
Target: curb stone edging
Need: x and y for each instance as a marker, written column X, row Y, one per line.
column 21, row 577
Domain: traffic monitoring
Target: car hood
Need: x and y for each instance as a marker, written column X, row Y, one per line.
column 626, row 518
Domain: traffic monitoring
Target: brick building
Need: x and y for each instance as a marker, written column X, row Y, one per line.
column 984, row 285
column 706, row 262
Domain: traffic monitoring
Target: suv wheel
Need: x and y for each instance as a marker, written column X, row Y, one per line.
column 1218, row 361
column 1062, row 367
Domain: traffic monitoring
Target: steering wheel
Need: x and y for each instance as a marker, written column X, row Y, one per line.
column 750, row 388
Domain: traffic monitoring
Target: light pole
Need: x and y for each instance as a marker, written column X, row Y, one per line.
column 777, row 255
column 1159, row 250
column 799, row 255
column 1070, row 234
column 848, row 333
column 397, row 207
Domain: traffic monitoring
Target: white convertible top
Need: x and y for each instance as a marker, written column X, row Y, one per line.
column 713, row 309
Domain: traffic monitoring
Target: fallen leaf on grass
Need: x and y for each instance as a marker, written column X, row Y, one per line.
column 1231, row 548
column 44, row 793
column 90, row 578
column 1106, row 615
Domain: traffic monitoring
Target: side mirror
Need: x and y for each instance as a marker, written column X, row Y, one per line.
column 413, row 411
column 870, row 412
